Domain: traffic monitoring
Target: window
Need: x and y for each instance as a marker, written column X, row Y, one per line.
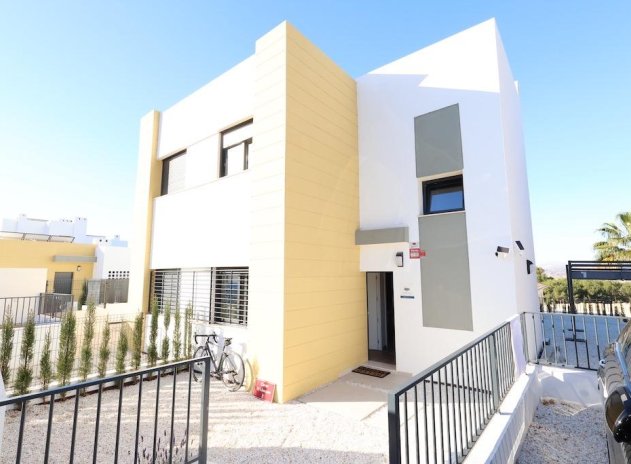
column 235, row 149
column 443, row 195
column 216, row 295
column 173, row 173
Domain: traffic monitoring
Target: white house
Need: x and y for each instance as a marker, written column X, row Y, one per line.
column 324, row 220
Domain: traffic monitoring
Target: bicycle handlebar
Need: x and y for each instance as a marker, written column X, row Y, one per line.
column 207, row 336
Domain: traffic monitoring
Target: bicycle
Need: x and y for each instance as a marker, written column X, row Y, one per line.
column 230, row 368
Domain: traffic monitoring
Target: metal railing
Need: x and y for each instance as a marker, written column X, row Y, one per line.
column 45, row 307
column 438, row 415
column 568, row 340
column 139, row 422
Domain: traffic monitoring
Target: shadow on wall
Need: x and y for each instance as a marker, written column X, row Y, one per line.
column 290, row 455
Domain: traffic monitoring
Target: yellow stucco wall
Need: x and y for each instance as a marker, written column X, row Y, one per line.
column 34, row 254
column 266, row 297
column 148, row 184
column 325, row 294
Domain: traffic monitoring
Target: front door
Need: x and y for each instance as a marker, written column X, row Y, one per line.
column 380, row 306
column 63, row 283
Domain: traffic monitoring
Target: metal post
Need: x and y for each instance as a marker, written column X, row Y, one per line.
column 494, row 377
column 394, row 429
column 203, row 422
column 570, row 286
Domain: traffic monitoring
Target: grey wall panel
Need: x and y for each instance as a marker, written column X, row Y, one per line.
column 438, row 142
column 375, row 236
column 445, row 282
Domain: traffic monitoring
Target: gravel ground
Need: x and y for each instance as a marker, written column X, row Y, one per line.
column 242, row 429
column 564, row 432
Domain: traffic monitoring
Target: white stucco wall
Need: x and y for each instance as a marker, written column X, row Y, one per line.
column 208, row 223
column 110, row 258
column 22, row 281
column 462, row 69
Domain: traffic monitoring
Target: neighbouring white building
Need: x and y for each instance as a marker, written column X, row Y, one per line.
column 324, row 220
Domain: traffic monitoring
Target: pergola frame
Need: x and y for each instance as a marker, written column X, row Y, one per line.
column 594, row 270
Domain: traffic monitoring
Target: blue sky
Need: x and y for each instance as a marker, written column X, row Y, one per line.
column 75, row 77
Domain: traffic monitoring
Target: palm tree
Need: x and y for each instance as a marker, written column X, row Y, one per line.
column 616, row 245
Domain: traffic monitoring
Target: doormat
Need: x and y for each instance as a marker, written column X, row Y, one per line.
column 371, row 372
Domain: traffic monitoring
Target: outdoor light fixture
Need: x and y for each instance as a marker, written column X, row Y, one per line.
column 502, row 251
column 79, row 268
column 520, row 247
column 399, row 259
column 528, row 265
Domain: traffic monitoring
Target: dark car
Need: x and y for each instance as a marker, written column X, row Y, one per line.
column 615, row 384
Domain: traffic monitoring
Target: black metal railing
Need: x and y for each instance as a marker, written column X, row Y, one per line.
column 45, row 307
column 568, row 340
column 158, row 414
column 438, row 415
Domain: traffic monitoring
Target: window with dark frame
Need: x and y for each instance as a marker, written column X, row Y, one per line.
column 235, row 149
column 443, row 195
column 215, row 295
column 173, row 173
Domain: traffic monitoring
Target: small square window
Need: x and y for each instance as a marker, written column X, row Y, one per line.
column 443, row 195
column 235, row 149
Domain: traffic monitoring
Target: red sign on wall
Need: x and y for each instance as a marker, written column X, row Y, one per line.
column 416, row 253
column 264, row 390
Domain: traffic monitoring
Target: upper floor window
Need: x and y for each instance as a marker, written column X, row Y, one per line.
column 174, row 173
column 443, row 195
column 235, row 149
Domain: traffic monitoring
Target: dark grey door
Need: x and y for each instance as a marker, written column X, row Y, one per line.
column 63, row 283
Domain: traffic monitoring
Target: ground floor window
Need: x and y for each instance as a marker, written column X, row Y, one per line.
column 216, row 295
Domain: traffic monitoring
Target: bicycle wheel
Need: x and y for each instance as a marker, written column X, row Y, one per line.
column 198, row 367
column 232, row 371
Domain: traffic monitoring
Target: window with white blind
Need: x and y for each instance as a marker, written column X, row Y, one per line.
column 174, row 173
column 235, row 149
column 215, row 295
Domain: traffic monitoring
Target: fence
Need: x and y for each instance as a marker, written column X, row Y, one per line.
column 142, row 419
column 52, row 325
column 438, row 415
column 568, row 340
column 595, row 307
column 99, row 291
column 45, row 307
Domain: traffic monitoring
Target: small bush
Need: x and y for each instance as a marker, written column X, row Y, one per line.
column 84, row 294
column 104, row 350
column 6, row 347
column 188, row 331
column 177, row 336
column 45, row 364
column 121, row 352
column 85, row 366
column 152, row 350
column 24, row 375
column 67, row 348
column 165, row 340
column 137, row 341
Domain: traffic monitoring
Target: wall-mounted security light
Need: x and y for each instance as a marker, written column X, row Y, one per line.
column 520, row 247
column 79, row 268
column 399, row 259
column 502, row 251
column 528, row 266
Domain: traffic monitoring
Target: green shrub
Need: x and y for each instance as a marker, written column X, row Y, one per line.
column 45, row 364
column 177, row 336
column 152, row 350
column 121, row 352
column 24, row 375
column 67, row 348
column 6, row 347
column 165, row 339
column 188, row 331
column 85, row 366
column 137, row 341
column 84, row 294
column 104, row 350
